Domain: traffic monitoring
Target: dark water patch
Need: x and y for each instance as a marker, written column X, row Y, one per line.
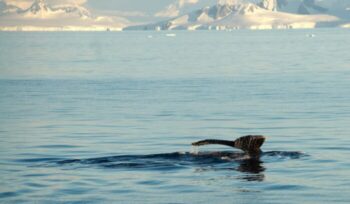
column 74, row 191
column 243, row 129
column 153, row 161
column 148, row 165
column 68, row 161
column 57, row 146
column 150, row 182
column 325, row 161
column 49, row 127
column 284, row 187
column 8, row 194
column 284, row 154
column 35, row 155
column 37, row 160
column 164, row 115
column 121, row 191
column 36, row 175
column 35, row 185
column 336, row 148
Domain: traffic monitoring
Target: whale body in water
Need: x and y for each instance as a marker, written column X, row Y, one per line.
column 249, row 161
column 250, row 144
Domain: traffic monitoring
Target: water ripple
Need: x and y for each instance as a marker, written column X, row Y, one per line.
column 203, row 161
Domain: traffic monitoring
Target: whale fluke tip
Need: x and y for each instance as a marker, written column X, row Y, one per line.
column 200, row 143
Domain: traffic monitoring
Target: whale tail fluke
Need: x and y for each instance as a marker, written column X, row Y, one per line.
column 249, row 143
column 220, row 142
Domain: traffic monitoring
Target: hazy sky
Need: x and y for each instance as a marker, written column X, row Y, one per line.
column 124, row 5
column 129, row 5
column 145, row 8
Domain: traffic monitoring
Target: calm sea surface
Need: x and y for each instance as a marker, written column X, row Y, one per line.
column 109, row 117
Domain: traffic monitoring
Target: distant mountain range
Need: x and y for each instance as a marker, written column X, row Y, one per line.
column 223, row 15
column 264, row 14
column 42, row 16
column 40, row 9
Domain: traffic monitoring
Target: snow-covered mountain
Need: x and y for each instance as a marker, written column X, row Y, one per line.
column 42, row 16
column 4, row 8
column 181, row 7
column 339, row 8
column 240, row 15
column 41, row 10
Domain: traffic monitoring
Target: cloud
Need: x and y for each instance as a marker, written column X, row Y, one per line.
column 173, row 9
column 23, row 4
column 128, row 13
column 184, row 2
column 60, row 2
column 231, row 2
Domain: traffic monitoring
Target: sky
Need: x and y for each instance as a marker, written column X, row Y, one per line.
column 146, row 6
column 145, row 10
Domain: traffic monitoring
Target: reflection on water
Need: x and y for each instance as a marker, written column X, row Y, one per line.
column 253, row 168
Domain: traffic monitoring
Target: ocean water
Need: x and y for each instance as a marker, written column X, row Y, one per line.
column 110, row 117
